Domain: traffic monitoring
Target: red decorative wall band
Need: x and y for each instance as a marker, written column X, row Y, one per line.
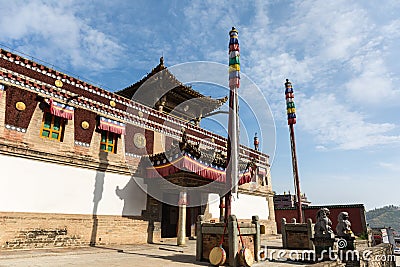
column 15, row 117
column 81, row 115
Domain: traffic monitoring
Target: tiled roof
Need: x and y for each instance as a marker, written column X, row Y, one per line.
column 178, row 90
column 326, row 206
column 32, row 76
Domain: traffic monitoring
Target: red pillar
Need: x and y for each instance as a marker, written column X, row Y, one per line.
column 296, row 174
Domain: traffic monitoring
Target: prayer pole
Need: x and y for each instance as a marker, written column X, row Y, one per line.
column 291, row 113
column 232, row 168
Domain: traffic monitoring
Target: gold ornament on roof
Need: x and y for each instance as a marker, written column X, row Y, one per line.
column 112, row 103
column 58, row 83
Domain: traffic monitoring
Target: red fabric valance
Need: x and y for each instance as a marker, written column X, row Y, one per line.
column 186, row 163
column 61, row 110
column 111, row 126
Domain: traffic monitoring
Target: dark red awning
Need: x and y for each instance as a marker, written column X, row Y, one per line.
column 186, row 163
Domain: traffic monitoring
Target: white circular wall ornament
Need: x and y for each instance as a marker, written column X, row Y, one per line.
column 139, row 140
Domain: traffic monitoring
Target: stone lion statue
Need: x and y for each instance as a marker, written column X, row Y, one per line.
column 343, row 227
column 323, row 225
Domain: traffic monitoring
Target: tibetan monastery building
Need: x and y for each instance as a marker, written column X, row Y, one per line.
column 84, row 166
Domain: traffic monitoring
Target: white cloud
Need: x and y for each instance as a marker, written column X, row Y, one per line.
column 335, row 50
column 332, row 30
column 52, row 31
column 372, row 83
column 340, row 44
column 335, row 55
column 373, row 86
column 320, row 148
column 336, row 126
column 395, row 167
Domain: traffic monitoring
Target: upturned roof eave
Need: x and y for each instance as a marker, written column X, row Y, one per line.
column 129, row 91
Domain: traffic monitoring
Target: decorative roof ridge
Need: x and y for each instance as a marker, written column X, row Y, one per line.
column 61, row 74
column 311, row 207
column 160, row 67
column 335, row 206
column 193, row 150
column 153, row 71
column 126, row 102
column 111, row 95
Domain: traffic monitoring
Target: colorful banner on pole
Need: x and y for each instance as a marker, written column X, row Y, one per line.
column 290, row 106
column 234, row 59
column 111, row 126
column 61, row 110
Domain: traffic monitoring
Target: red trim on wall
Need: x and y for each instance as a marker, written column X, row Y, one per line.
column 81, row 134
column 356, row 216
column 149, row 134
column 15, row 117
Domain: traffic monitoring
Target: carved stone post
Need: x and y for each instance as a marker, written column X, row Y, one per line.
column 199, row 238
column 271, row 209
column 233, row 241
column 283, row 231
column 310, row 233
column 257, row 238
column 181, row 236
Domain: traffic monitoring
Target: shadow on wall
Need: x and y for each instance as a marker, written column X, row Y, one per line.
column 133, row 196
column 98, row 192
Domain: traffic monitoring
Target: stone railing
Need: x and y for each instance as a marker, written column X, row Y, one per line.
column 297, row 235
column 378, row 256
column 209, row 235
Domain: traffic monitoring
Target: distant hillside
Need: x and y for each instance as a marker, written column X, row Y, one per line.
column 386, row 216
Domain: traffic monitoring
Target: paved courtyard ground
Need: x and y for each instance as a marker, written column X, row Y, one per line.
column 163, row 254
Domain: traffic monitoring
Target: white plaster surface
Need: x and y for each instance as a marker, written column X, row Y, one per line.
column 243, row 207
column 33, row 186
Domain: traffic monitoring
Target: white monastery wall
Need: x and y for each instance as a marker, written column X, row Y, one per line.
column 243, row 207
column 32, row 186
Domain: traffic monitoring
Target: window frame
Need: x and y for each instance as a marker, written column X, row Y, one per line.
column 107, row 143
column 51, row 130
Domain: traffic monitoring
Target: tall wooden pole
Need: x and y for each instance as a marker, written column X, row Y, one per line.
column 232, row 168
column 296, row 174
column 291, row 112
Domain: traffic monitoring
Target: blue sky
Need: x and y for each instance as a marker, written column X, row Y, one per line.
column 342, row 57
